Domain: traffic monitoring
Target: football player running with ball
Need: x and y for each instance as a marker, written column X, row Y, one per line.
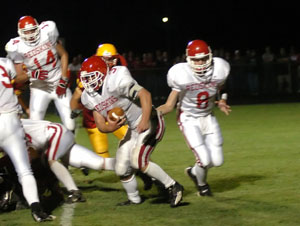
column 106, row 89
column 46, row 62
column 195, row 85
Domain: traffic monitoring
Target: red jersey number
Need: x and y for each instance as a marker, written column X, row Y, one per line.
column 202, row 100
column 5, row 80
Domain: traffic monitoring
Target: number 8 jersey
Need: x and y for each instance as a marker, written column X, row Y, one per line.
column 42, row 56
column 197, row 94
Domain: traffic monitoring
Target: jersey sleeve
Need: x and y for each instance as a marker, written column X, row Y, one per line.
column 124, row 81
column 51, row 29
column 11, row 49
column 171, row 79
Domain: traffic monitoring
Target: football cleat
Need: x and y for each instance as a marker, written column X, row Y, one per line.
column 128, row 203
column 75, row 196
column 38, row 214
column 148, row 182
column 85, row 171
column 41, row 216
column 204, row 190
column 188, row 172
column 175, row 194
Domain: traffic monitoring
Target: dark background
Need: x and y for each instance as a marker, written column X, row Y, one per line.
column 137, row 25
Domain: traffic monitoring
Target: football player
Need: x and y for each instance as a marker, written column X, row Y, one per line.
column 12, row 140
column 195, row 85
column 58, row 143
column 46, row 61
column 98, row 140
column 105, row 89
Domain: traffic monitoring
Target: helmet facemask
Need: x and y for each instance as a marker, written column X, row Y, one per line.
column 92, row 81
column 201, row 63
column 30, row 34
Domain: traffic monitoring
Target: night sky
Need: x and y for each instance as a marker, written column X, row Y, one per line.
column 137, row 25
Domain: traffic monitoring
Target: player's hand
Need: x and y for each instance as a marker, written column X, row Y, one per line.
column 62, row 87
column 75, row 113
column 224, row 107
column 142, row 126
column 114, row 125
column 39, row 74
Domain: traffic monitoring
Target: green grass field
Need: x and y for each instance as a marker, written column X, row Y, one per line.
column 257, row 185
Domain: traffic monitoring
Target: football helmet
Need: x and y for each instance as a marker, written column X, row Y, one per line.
column 199, row 57
column 108, row 53
column 28, row 30
column 92, row 73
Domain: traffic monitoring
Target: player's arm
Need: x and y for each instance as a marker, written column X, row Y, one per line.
column 75, row 103
column 170, row 103
column 22, row 75
column 222, row 102
column 64, row 57
column 146, row 104
column 106, row 126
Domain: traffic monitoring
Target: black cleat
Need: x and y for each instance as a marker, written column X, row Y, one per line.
column 85, row 171
column 175, row 194
column 38, row 214
column 75, row 196
column 148, row 182
column 204, row 190
column 188, row 172
column 128, row 203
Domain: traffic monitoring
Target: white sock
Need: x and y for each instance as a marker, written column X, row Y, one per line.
column 156, row 172
column 82, row 157
column 29, row 188
column 130, row 187
column 109, row 163
column 63, row 175
column 200, row 174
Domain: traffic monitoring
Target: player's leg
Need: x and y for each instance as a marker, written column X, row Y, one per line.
column 120, row 133
column 63, row 107
column 80, row 156
column 140, row 158
column 61, row 142
column 125, row 171
column 99, row 142
column 38, row 103
column 14, row 145
column 191, row 129
column 214, row 143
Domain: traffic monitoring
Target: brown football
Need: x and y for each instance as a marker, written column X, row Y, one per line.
column 116, row 114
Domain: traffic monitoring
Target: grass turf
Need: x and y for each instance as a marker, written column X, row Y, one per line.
column 257, row 185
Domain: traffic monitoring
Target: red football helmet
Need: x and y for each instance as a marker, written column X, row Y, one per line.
column 92, row 73
column 199, row 56
column 28, row 30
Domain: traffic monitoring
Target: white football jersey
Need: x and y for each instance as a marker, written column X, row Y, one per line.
column 42, row 56
column 8, row 99
column 49, row 137
column 115, row 93
column 197, row 96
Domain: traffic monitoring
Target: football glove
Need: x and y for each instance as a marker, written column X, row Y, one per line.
column 62, row 87
column 75, row 113
column 38, row 74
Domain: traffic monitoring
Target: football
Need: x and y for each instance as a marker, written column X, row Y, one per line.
column 116, row 114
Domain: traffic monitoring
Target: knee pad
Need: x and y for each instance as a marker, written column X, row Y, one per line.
column 123, row 170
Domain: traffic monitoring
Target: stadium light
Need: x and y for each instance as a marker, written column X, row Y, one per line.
column 165, row 19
